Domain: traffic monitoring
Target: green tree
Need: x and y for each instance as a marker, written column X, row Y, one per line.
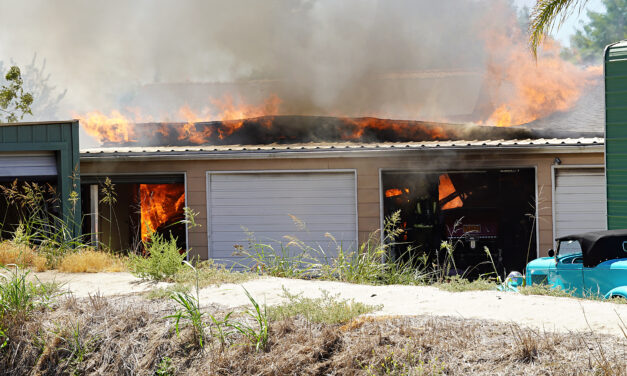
column 546, row 15
column 602, row 29
column 14, row 101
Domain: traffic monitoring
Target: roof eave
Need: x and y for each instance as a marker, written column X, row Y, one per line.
column 337, row 152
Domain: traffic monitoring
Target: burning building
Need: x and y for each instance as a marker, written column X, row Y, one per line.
column 510, row 190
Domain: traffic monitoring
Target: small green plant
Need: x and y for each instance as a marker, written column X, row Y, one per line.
column 165, row 293
column 191, row 313
column 19, row 298
column 257, row 334
column 77, row 346
column 327, row 309
column 165, row 368
column 163, row 262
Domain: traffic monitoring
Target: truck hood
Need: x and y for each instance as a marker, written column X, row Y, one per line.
column 541, row 263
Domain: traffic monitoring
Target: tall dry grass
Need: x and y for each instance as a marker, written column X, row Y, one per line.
column 12, row 253
column 90, row 261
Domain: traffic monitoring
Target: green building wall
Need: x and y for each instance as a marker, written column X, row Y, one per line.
column 616, row 134
column 58, row 137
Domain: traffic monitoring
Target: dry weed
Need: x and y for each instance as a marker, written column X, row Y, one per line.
column 90, row 261
column 129, row 335
column 21, row 255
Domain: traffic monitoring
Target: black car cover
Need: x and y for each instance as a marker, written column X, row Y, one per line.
column 599, row 246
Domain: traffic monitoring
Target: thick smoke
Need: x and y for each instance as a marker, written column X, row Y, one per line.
column 403, row 59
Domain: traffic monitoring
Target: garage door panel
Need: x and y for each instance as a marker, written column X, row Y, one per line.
column 579, row 201
column 276, row 200
column 295, row 210
column 263, row 203
column 338, row 227
column 22, row 164
column 590, row 189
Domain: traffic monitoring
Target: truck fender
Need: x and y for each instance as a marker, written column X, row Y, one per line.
column 620, row 291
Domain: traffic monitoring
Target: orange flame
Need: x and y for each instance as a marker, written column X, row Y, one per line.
column 523, row 89
column 114, row 128
column 445, row 189
column 117, row 127
column 393, row 192
column 159, row 204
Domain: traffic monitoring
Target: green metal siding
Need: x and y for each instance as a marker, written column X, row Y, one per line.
column 61, row 138
column 616, row 134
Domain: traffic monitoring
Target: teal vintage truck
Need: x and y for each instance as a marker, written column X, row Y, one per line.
column 589, row 264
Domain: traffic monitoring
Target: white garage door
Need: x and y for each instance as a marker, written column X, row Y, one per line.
column 579, row 204
column 274, row 205
column 16, row 164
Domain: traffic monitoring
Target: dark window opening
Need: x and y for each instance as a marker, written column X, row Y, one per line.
column 140, row 209
column 472, row 209
column 29, row 201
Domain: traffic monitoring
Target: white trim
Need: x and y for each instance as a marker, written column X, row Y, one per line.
column 553, row 181
column 186, row 227
column 208, row 174
column 336, row 153
column 381, row 216
column 537, row 208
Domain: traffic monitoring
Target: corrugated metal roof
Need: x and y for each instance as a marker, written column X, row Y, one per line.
column 337, row 147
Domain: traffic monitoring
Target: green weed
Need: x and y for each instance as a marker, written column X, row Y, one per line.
column 459, row 284
column 327, row 309
column 162, row 263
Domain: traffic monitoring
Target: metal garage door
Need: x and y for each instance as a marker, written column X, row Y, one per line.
column 17, row 164
column 579, row 204
column 268, row 204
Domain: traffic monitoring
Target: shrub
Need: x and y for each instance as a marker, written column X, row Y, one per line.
column 90, row 261
column 21, row 255
column 163, row 262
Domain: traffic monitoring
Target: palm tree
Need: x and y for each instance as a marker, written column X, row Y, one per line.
column 546, row 14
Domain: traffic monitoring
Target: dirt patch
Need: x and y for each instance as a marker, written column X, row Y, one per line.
column 536, row 312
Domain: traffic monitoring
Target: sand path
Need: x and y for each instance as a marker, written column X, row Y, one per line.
column 539, row 312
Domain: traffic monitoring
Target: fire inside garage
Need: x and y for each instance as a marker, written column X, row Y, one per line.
column 472, row 209
column 124, row 211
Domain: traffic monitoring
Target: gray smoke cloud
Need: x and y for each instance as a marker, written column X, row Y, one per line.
column 410, row 59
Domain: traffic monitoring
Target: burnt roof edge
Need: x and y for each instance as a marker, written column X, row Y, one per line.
column 164, row 154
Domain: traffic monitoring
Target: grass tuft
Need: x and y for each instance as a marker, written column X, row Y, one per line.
column 90, row 261
column 12, row 253
column 459, row 284
column 208, row 273
column 328, row 309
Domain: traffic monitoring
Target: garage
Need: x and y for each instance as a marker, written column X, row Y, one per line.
column 579, row 200
column 475, row 210
column 275, row 205
column 43, row 158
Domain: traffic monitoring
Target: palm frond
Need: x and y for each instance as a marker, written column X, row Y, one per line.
column 547, row 14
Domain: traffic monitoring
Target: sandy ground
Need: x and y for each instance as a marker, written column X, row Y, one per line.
column 539, row 312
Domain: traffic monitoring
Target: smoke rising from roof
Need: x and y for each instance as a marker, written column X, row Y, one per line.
column 408, row 59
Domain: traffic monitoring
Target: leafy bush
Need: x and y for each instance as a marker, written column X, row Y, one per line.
column 90, row 261
column 162, row 263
